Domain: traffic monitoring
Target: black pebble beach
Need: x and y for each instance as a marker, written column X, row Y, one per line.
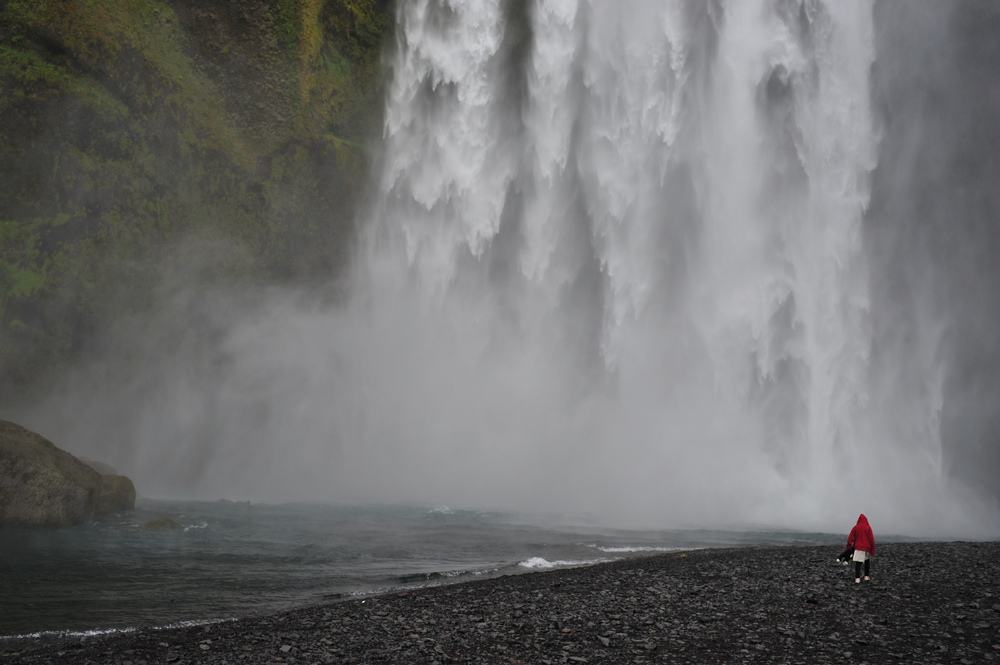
column 926, row 603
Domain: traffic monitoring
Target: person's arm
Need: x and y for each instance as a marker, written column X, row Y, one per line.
column 850, row 538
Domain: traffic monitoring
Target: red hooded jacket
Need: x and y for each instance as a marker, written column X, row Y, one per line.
column 861, row 537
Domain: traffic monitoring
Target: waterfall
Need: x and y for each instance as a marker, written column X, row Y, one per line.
column 648, row 215
column 619, row 262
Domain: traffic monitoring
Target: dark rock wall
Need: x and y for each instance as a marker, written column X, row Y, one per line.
column 130, row 128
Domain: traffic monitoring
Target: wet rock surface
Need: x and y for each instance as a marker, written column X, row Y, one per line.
column 926, row 603
column 117, row 495
column 43, row 485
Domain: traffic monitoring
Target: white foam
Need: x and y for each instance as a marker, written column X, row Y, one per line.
column 488, row 571
column 98, row 632
column 540, row 563
column 637, row 548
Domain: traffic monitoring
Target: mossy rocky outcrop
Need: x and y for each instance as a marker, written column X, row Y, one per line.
column 117, row 494
column 130, row 127
column 42, row 485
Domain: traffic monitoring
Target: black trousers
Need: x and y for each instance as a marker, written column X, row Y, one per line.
column 857, row 568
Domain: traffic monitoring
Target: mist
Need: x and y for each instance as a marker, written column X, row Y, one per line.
column 650, row 264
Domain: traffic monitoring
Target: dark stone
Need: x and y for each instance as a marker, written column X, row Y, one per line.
column 42, row 485
column 613, row 619
column 163, row 523
column 117, row 495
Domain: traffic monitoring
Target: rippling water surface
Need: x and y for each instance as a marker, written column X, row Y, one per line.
column 233, row 559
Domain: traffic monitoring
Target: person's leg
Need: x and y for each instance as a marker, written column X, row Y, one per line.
column 868, row 562
column 857, row 571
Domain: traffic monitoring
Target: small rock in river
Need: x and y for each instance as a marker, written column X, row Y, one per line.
column 159, row 523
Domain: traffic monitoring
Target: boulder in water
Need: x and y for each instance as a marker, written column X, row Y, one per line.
column 117, row 494
column 163, row 523
column 42, row 485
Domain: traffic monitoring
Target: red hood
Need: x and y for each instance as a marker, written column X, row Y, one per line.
column 861, row 537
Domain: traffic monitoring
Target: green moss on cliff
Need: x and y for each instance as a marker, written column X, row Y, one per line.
column 131, row 125
column 23, row 269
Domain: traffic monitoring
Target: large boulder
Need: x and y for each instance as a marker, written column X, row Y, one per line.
column 117, row 494
column 42, row 485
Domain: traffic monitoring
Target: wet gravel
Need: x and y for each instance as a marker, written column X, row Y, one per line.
column 926, row 603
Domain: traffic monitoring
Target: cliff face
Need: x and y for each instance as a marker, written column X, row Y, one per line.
column 130, row 126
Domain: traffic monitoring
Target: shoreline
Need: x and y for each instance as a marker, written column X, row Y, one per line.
column 926, row 603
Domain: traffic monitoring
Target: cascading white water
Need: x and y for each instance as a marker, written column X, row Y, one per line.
column 690, row 176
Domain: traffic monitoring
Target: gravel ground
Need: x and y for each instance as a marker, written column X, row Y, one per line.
column 926, row 603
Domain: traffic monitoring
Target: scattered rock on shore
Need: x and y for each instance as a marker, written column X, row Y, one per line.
column 926, row 603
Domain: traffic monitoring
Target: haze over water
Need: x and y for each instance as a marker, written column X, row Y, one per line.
column 616, row 264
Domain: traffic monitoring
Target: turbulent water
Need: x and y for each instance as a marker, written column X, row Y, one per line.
column 616, row 264
column 237, row 559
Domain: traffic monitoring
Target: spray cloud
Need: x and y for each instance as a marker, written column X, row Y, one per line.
column 617, row 265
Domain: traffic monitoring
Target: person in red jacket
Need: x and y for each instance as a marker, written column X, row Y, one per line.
column 862, row 541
